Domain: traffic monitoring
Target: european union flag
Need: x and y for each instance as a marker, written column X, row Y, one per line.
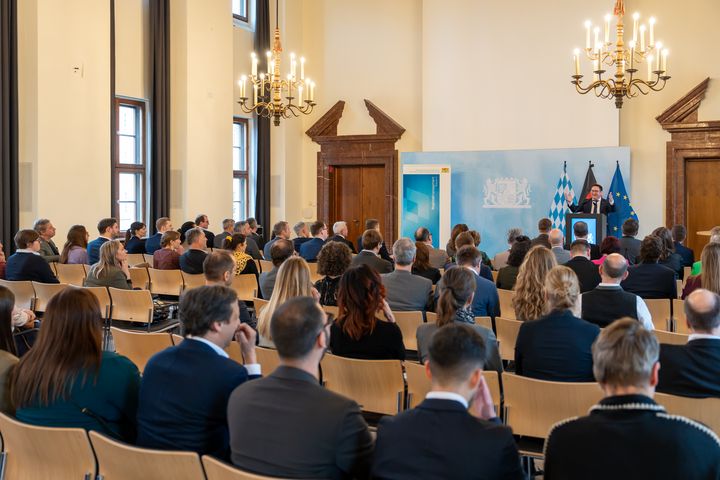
column 623, row 209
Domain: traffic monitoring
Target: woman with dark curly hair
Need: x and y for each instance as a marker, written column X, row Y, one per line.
column 357, row 332
column 507, row 276
column 334, row 258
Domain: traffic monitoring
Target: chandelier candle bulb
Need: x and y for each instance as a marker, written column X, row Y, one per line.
column 576, row 59
column 659, row 49
column 607, row 28
column 302, row 68
column 254, row 65
column 652, row 32
column 632, row 55
column 649, row 65
column 642, row 38
column 636, row 17
column 300, row 95
column 243, row 79
column 268, row 54
column 664, row 60
column 596, row 31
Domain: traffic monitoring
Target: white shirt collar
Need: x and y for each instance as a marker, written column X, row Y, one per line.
column 447, row 396
column 26, row 250
column 700, row 336
column 370, row 251
column 207, row 342
column 472, row 270
column 611, row 285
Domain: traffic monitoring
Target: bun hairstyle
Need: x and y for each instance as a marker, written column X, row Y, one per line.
column 458, row 284
column 562, row 289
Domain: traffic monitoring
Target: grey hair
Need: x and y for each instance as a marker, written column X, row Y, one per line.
column 404, row 251
column 513, row 233
column 624, row 354
column 298, row 228
column 338, row 227
column 41, row 224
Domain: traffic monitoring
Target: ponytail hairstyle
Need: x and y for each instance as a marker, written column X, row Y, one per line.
column 132, row 231
column 456, row 287
column 562, row 289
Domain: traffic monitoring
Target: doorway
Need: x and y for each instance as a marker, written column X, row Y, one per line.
column 357, row 193
column 702, row 200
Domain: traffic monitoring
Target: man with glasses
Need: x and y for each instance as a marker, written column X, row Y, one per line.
column 26, row 263
column 594, row 204
column 287, row 425
column 310, row 249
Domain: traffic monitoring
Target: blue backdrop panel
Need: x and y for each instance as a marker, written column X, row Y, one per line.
column 421, row 207
column 493, row 191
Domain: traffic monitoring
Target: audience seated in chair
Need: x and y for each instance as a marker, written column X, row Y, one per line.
column 108, row 229
column 219, row 268
column 26, row 263
column 422, row 266
column 369, row 255
column 454, row 306
column 228, row 226
column 18, row 317
column 437, row 258
column 668, row 257
column 280, row 251
column 543, row 238
column 311, row 249
column 580, row 229
column 507, row 275
column 162, row 225
column 628, row 435
column 629, row 245
column 112, row 269
column 529, row 300
column 649, row 279
column 253, row 228
column 167, row 257
column 253, row 249
column 302, row 235
column 557, row 240
column 472, row 238
column 609, row 245
column 75, row 249
column 244, row 263
column 374, row 224
column 679, row 235
column 185, row 389
column 403, row 290
column 135, row 238
column 281, row 231
column 357, row 332
column 714, row 238
column 485, row 300
column 608, row 301
column 587, row 272
column 192, row 260
column 340, row 233
column 557, row 346
column 201, row 221
column 48, row 249
column 709, row 278
column 450, row 247
column 454, row 432
column 287, row 425
column 500, row 259
column 67, row 380
column 334, row 259
column 8, row 350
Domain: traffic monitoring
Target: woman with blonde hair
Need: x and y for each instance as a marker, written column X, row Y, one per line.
column 529, row 299
column 293, row 280
column 112, row 269
column 709, row 278
column 558, row 346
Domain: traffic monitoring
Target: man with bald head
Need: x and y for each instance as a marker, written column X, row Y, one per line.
column 693, row 369
column 556, row 239
column 608, row 301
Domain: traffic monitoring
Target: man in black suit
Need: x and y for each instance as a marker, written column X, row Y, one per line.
column 693, row 370
column 587, row 272
column 203, row 222
column 580, row 229
column 649, row 279
column 454, row 432
column 629, row 245
column 627, row 434
column 374, row 224
column 192, row 261
column 252, row 247
column 372, row 240
column 679, row 234
column 281, row 230
column 302, row 235
column 254, row 227
column 543, row 238
column 340, row 233
column 287, row 425
column 594, row 204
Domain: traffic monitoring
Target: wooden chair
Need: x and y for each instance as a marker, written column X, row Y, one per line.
column 265, row 265
column 23, row 291
column 176, row 339
column 258, row 265
column 314, row 275
column 72, row 274
column 103, row 296
column 165, row 282
column 686, row 273
column 32, row 452
column 259, row 304
column 377, row 385
column 332, row 310
column 193, row 281
column 136, row 259
column 506, row 307
column 44, row 292
column 495, row 275
column 409, row 323
column 134, row 306
column 507, row 332
column 484, row 322
column 431, row 317
column 234, row 352
column 532, row 406
column 679, row 320
column 140, row 278
column 660, row 311
column 119, row 461
column 679, row 288
column 140, row 346
column 671, row 338
column 268, row 358
column 245, row 286
column 703, row 410
column 218, row 470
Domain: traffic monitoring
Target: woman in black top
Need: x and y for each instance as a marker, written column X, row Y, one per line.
column 134, row 238
column 357, row 332
column 669, row 257
column 507, row 276
column 421, row 265
column 332, row 261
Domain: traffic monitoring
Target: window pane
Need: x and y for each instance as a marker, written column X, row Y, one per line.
column 236, row 159
column 127, row 191
column 127, row 120
column 236, row 134
column 236, row 189
column 128, row 150
column 128, row 214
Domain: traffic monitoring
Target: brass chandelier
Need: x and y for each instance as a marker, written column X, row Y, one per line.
column 603, row 53
column 269, row 87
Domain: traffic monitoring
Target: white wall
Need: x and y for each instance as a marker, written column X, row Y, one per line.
column 132, row 48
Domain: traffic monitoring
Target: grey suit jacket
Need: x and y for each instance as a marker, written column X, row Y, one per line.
column 369, row 258
column 220, row 239
column 49, row 251
column 267, row 283
column 406, row 292
column 492, row 358
column 287, row 425
column 438, row 257
column 561, row 255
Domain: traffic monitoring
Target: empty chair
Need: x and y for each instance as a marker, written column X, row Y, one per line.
column 135, row 259
column 376, row 385
column 136, row 306
column 660, row 310
column 268, row 358
column 409, row 323
column 119, row 461
column 193, row 281
column 23, row 291
column 671, row 338
column 139, row 346
column 165, row 282
column 70, row 273
column 139, row 278
column 703, row 410
column 103, row 296
column 507, row 333
column 678, row 314
column 245, row 286
column 44, row 292
column 506, row 307
column 28, row 454
column 218, row 470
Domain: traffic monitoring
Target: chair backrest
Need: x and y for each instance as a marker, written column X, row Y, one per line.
column 42, row 452
column 507, row 332
column 23, row 291
column 506, row 307
column 495, row 274
column 103, row 296
column 679, row 287
column 265, row 265
column 484, row 322
column 176, row 339
column 44, row 292
column 331, row 309
column 679, row 318
column 165, row 282
column 409, row 323
column 671, row 338
column 70, row 273
column 131, row 305
column 119, row 461
column 660, row 311
column 218, row 470
column 139, row 347
column 431, row 317
column 268, row 358
column 532, row 406
column 314, row 275
column 135, row 258
column 703, row 410
column 686, row 272
column 245, row 286
column 139, row 278
column 234, row 352
column 259, row 304
column 193, row 281
column 377, row 385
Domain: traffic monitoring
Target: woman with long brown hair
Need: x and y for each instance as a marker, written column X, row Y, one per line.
column 75, row 249
column 529, row 299
column 709, row 278
column 357, row 332
column 67, row 380
column 450, row 248
column 421, row 265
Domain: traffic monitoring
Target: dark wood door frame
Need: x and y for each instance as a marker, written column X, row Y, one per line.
column 363, row 150
column 691, row 139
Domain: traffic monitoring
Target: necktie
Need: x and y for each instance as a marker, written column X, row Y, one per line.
column 595, row 207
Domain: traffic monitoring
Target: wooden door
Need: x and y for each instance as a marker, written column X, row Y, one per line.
column 358, row 193
column 702, row 200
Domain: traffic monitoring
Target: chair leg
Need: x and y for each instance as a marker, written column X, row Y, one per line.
column 3, row 460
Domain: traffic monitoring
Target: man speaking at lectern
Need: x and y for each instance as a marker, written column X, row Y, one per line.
column 594, row 204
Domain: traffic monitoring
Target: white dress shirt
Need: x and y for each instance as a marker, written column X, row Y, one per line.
column 447, row 396
column 643, row 313
column 252, row 368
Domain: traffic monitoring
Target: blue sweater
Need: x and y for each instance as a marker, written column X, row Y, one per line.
column 93, row 249
column 28, row 266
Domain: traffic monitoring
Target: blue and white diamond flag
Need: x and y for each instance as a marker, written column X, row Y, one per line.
column 558, row 206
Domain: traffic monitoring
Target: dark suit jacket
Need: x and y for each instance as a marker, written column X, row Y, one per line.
column 384, row 254
column 585, row 206
column 369, row 258
column 220, row 239
column 153, row 243
column 49, row 251
column 299, row 241
column 587, row 272
column 440, row 439
column 631, row 437
column 287, row 425
column 266, row 283
column 183, row 399
column 23, row 266
column 556, row 347
column 259, row 241
column 338, row 238
column 192, row 261
column 135, row 245
column 310, row 250
column 542, row 239
column 93, row 249
column 209, row 238
column 651, row 280
column 691, row 370
column 630, row 248
column 686, row 253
